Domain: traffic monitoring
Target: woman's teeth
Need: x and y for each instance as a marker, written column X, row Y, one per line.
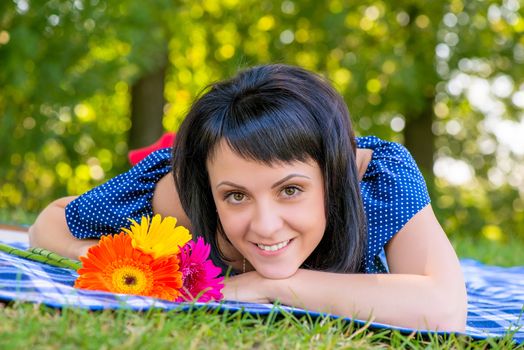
column 272, row 248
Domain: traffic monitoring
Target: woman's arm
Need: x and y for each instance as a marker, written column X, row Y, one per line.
column 50, row 231
column 425, row 289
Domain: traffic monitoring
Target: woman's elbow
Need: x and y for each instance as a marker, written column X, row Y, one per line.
column 449, row 313
column 50, row 226
column 33, row 236
column 35, row 232
column 453, row 319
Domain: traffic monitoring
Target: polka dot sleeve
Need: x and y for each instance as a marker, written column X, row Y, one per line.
column 393, row 191
column 106, row 208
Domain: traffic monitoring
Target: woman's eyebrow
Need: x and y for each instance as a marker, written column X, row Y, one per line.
column 287, row 178
column 279, row 182
column 230, row 184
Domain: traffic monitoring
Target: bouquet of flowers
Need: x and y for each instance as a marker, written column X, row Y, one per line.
column 152, row 258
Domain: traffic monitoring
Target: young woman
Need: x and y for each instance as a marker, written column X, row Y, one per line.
column 266, row 167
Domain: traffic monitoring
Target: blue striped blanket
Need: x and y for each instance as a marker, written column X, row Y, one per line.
column 495, row 294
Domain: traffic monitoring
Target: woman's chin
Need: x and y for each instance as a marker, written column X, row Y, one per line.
column 275, row 273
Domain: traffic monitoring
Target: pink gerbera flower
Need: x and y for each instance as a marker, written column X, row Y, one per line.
column 199, row 274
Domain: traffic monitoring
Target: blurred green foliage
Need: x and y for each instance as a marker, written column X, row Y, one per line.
column 67, row 67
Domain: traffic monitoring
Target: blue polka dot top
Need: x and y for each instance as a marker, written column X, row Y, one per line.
column 393, row 191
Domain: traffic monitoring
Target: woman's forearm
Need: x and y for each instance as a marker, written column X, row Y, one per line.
column 413, row 301
column 50, row 231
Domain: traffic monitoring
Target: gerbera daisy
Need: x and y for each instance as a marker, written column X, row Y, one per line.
column 161, row 238
column 114, row 265
column 199, row 274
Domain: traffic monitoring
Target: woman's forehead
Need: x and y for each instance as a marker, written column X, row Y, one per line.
column 222, row 151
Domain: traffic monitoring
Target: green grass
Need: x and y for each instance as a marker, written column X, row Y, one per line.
column 505, row 253
column 25, row 326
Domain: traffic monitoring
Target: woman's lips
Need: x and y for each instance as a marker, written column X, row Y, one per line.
column 274, row 248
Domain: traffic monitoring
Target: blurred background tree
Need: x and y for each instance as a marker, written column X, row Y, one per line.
column 83, row 81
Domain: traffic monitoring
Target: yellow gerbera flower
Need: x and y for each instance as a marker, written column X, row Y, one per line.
column 160, row 238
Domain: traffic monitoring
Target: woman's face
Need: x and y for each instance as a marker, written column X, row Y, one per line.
column 273, row 215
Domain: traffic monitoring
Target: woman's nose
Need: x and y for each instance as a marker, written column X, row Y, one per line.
column 266, row 219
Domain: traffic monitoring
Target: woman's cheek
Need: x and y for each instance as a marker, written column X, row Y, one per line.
column 234, row 224
column 309, row 217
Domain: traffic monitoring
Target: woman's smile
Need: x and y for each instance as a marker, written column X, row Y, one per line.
column 271, row 250
column 273, row 247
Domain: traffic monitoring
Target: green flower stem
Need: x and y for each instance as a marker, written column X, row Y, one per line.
column 66, row 262
column 43, row 256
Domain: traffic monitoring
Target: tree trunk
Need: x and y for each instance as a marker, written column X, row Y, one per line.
column 418, row 133
column 420, row 140
column 147, row 108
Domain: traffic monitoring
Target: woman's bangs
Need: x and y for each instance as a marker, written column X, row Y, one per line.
column 273, row 137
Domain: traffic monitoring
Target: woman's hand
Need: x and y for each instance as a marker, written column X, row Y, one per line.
column 248, row 287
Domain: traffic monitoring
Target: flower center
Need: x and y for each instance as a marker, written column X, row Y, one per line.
column 130, row 280
column 190, row 275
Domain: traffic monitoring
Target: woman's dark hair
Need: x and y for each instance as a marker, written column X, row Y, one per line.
column 275, row 113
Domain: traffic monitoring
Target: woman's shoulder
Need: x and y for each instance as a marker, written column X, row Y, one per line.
column 151, row 169
column 388, row 157
column 391, row 169
column 384, row 149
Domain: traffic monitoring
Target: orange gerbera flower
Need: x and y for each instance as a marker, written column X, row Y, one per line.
column 114, row 265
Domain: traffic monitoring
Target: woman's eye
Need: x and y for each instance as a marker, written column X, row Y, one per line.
column 238, row 196
column 291, row 191
column 235, row 197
